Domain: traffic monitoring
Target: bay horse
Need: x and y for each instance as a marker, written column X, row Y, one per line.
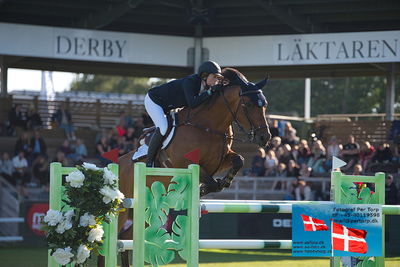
column 208, row 128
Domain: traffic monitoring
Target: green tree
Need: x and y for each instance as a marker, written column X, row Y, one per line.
column 114, row 84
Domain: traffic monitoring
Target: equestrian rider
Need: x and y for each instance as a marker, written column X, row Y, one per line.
column 190, row 91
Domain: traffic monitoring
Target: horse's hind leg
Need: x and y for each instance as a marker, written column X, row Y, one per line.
column 235, row 162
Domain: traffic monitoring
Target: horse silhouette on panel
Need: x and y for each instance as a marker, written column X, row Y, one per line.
column 208, row 129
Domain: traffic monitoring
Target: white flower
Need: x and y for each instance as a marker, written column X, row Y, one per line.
column 87, row 219
column 82, row 254
column 68, row 215
column 96, row 234
column 64, row 225
column 90, row 166
column 75, row 179
column 63, row 256
column 109, row 177
column 53, row 217
column 110, row 194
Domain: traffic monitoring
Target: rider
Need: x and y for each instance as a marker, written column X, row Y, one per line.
column 190, row 91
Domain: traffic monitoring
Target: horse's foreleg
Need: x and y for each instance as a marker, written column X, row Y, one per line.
column 208, row 183
column 235, row 161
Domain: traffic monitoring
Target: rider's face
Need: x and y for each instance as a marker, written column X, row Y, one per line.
column 212, row 79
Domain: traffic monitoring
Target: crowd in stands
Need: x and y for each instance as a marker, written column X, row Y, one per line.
column 28, row 165
column 289, row 156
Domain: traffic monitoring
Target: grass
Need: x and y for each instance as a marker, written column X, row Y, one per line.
column 37, row 257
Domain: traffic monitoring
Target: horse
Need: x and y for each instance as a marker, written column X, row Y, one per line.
column 208, row 128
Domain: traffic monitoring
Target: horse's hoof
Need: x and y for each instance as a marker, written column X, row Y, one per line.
column 203, row 190
column 223, row 183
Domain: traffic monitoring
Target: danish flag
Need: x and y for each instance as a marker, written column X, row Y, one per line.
column 312, row 224
column 349, row 239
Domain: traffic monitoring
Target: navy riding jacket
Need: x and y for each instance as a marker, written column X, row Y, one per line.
column 179, row 93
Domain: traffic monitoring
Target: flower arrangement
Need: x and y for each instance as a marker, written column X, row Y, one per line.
column 75, row 232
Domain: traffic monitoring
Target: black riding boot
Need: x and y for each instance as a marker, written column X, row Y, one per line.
column 154, row 145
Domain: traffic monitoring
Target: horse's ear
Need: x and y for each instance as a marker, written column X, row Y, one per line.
column 262, row 83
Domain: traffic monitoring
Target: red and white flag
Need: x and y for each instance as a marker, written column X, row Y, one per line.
column 349, row 239
column 313, row 224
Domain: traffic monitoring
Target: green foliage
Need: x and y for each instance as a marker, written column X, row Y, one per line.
column 114, row 84
column 177, row 192
column 156, row 205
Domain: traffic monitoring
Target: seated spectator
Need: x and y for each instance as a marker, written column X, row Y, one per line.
column 383, row 154
column 65, row 148
column 357, row 170
column 101, row 147
column 21, row 171
column 396, row 153
column 270, row 163
column 130, row 139
column 139, row 126
column 40, row 170
column 273, row 128
column 37, row 146
column 318, row 156
column 6, row 167
column 333, row 150
column 290, row 134
column 281, row 170
column 303, row 191
column 147, row 122
column 121, row 130
column 34, row 121
column 286, row 154
column 366, row 154
column 391, row 191
column 350, row 153
column 305, row 171
column 63, row 119
column 80, row 152
column 23, row 144
column 61, row 158
column 125, row 119
column 16, row 118
column 275, row 144
column 295, row 152
column 293, row 169
column 257, row 164
column 304, row 152
column 113, row 135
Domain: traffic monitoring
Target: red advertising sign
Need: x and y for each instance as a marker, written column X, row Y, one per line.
column 35, row 216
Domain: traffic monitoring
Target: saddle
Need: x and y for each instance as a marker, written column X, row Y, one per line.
column 144, row 140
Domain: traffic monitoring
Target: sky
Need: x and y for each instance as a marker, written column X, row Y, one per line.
column 21, row 79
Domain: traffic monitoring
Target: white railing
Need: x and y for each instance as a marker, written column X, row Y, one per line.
column 244, row 187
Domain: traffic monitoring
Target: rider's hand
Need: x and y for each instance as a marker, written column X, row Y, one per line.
column 216, row 87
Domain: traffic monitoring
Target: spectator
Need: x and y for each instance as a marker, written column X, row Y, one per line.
column 273, row 128
column 147, row 120
column 333, row 150
column 80, row 152
column 130, row 139
column 61, row 158
column 303, row 191
column 23, row 144
column 65, row 148
column 113, row 136
column 40, row 170
column 391, row 191
column 318, row 155
column 21, row 171
column 16, row 118
column 350, row 153
column 6, row 167
column 125, row 119
column 290, row 134
column 304, row 152
column 63, row 119
column 295, row 152
column 281, row 170
column 120, row 145
column 305, row 171
column 139, row 126
column 270, row 163
column 276, row 143
column 293, row 169
column 101, row 147
column 358, row 169
column 383, row 154
column 37, row 146
column 34, row 121
column 366, row 154
column 121, row 130
column 396, row 154
column 286, row 154
column 257, row 165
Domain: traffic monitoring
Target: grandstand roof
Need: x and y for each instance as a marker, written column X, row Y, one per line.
column 217, row 17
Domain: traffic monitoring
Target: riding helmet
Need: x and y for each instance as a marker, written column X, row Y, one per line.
column 209, row 67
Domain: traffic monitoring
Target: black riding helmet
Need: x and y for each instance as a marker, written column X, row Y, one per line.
column 208, row 67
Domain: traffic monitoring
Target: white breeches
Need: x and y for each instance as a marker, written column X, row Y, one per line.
column 156, row 113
